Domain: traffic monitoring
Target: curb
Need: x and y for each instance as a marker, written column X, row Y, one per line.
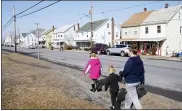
column 179, row 60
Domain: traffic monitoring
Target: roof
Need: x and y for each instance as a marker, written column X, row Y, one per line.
column 162, row 15
column 46, row 32
column 136, row 19
column 96, row 24
column 152, row 17
column 63, row 28
column 24, row 34
column 143, row 39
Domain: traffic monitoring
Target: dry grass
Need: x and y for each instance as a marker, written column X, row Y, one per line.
column 31, row 84
column 27, row 86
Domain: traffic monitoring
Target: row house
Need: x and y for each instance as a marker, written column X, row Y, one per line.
column 102, row 33
column 22, row 39
column 64, row 35
column 26, row 39
column 46, row 37
column 8, row 40
column 160, row 29
column 31, row 39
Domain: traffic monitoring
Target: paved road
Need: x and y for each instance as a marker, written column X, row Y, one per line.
column 161, row 74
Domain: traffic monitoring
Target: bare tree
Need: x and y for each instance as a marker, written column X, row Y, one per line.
column 69, row 38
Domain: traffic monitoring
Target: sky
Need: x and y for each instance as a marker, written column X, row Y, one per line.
column 72, row 12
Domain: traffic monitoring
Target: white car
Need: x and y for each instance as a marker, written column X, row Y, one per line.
column 121, row 49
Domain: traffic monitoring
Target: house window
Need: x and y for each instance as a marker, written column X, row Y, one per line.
column 107, row 25
column 135, row 32
column 116, row 34
column 146, row 30
column 82, row 34
column 108, row 32
column 61, row 35
column 158, row 29
column 180, row 29
column 87, row 35
column 125, row 33
column 74, row 28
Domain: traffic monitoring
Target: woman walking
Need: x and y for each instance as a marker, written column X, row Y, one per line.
column 94, row 67
column 133, row 74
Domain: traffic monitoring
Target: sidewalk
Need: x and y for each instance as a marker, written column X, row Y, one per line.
column 177, row 59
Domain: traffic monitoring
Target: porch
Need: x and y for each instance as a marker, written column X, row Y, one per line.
column 83, row 43
column 145, row 45
column 58, row 45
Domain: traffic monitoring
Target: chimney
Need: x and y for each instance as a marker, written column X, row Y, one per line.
column 145, row 9
column 53, row 28
column 166, row 5
column 78, row 26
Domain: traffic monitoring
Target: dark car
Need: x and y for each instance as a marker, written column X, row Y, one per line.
column 99, row 48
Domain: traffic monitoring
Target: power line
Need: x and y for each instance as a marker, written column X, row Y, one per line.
column 7, row 25
column 30, row 7
column 8, row 22
column 39, row 9
column 125, row 8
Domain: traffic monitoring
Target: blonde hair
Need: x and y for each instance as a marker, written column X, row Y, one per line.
column 92, row 55
column 111, row 69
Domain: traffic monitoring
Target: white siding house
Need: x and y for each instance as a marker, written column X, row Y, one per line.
column 64, row 34
column 30, row 39
column 8, row 40
column 21, row 40
column 102, row 33
column 159, row 28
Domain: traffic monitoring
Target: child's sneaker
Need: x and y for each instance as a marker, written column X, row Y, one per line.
column 112, row 107
column 93, row 90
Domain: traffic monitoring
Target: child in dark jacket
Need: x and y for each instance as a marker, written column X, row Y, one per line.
column 112, row 82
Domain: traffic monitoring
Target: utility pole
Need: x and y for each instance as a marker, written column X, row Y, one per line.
column 38, row 38
column 112, row 30
column 91, row 23
column 14, row 16
column 19, row 37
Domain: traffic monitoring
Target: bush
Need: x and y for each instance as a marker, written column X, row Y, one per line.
column 86, row 49
column 68, row 47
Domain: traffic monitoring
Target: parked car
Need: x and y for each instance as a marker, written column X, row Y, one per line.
column 99, row 48
column 121, row 49
column 31, row 47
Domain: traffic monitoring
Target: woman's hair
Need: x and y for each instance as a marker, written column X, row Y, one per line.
column 134, row 51
column 111, row 69
column 92, row 55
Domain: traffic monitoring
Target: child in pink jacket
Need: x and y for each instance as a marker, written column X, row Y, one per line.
column 95, row 67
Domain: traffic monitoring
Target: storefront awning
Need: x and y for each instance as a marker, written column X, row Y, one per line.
column 143, row 39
